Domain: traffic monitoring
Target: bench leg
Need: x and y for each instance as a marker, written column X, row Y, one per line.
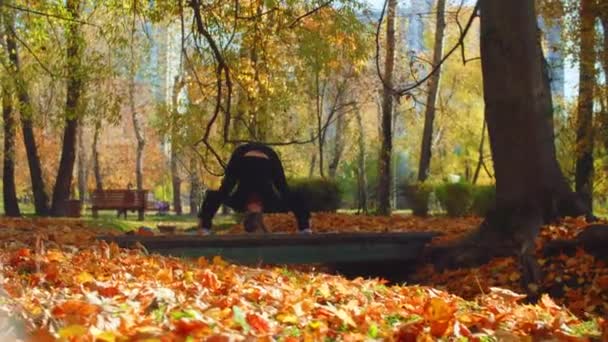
column 140, row 215
column 95, row 213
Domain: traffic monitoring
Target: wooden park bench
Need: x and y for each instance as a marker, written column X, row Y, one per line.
column 120, row 199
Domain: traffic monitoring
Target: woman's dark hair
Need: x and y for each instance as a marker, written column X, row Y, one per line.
column 254, row 222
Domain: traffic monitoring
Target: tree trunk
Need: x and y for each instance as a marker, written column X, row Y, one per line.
column 530, row 187
column 338, row 147
column 195, row 188
column 141, row 142
column 63, row 182
column 321, row 137
column 176, row 181
column 137, row 125
column 313, row 162
column 480, row 152
column 361, row 174
column 604, row 59
column 429, row 114
column 584, row 120
column 82, row 165
column 139, row 175
column 519, row 111
column 41, row 201
column 95, row 158
column 386, row 150
column 9, row 192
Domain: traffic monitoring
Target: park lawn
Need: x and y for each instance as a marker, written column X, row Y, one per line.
column 64, row 283
column 181, row 222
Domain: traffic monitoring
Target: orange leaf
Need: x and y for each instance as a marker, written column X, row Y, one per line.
column 187, row 327
column 209, row 280
column 258, row 323
column 165, row 275
column 108, row 292
column 602, row 282
column 76, row 312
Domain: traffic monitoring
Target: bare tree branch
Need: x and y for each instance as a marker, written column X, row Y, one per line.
column 44, row 67
column 407, row 89
column 309, row 13
column 48, row 15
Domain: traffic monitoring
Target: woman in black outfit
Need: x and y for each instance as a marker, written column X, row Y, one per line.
column 254, row 182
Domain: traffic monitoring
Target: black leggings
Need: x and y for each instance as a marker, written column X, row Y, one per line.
column 271, row 204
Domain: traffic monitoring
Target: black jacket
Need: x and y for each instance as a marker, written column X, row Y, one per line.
column 248, row 176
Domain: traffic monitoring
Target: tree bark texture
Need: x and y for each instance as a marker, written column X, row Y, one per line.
column 480, row 153
column 519, row 112
column 429, row 113
column 338, row 146
column 530, row 187
column 137, row 124
column 83, row 165
column 95, row 158
column 9, row 192
column 195, row 188
column 63, row 182
column 603, row 10
column 41, row 201
column 175, row 177
column 386, row 149
column 584, row 119
column 361, row 174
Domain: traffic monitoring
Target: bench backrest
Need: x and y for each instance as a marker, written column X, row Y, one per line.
column 118, row 198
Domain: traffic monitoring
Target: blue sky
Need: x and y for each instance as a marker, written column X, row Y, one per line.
column 571, row 73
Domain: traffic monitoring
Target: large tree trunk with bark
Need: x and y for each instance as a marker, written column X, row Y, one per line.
column 429, row 113
column 63, row 182
column 530, row 187
column 584, row 120
column 95, row 158
column 83, row 166
column 386, row 138
column 9, row 192
column 519, row 113
column 361, row 174
column 41, row 201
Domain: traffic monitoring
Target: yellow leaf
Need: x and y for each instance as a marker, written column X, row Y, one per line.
column 55, row 255
column 73, row 331
column 218, row 261
column 314, row 324
column 84, row 277
column 345, row 317
column 106, row 336
column 324, row 290
column 287, row 318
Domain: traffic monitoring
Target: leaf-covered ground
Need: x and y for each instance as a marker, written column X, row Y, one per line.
column 58, row 283
column 579, row 282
